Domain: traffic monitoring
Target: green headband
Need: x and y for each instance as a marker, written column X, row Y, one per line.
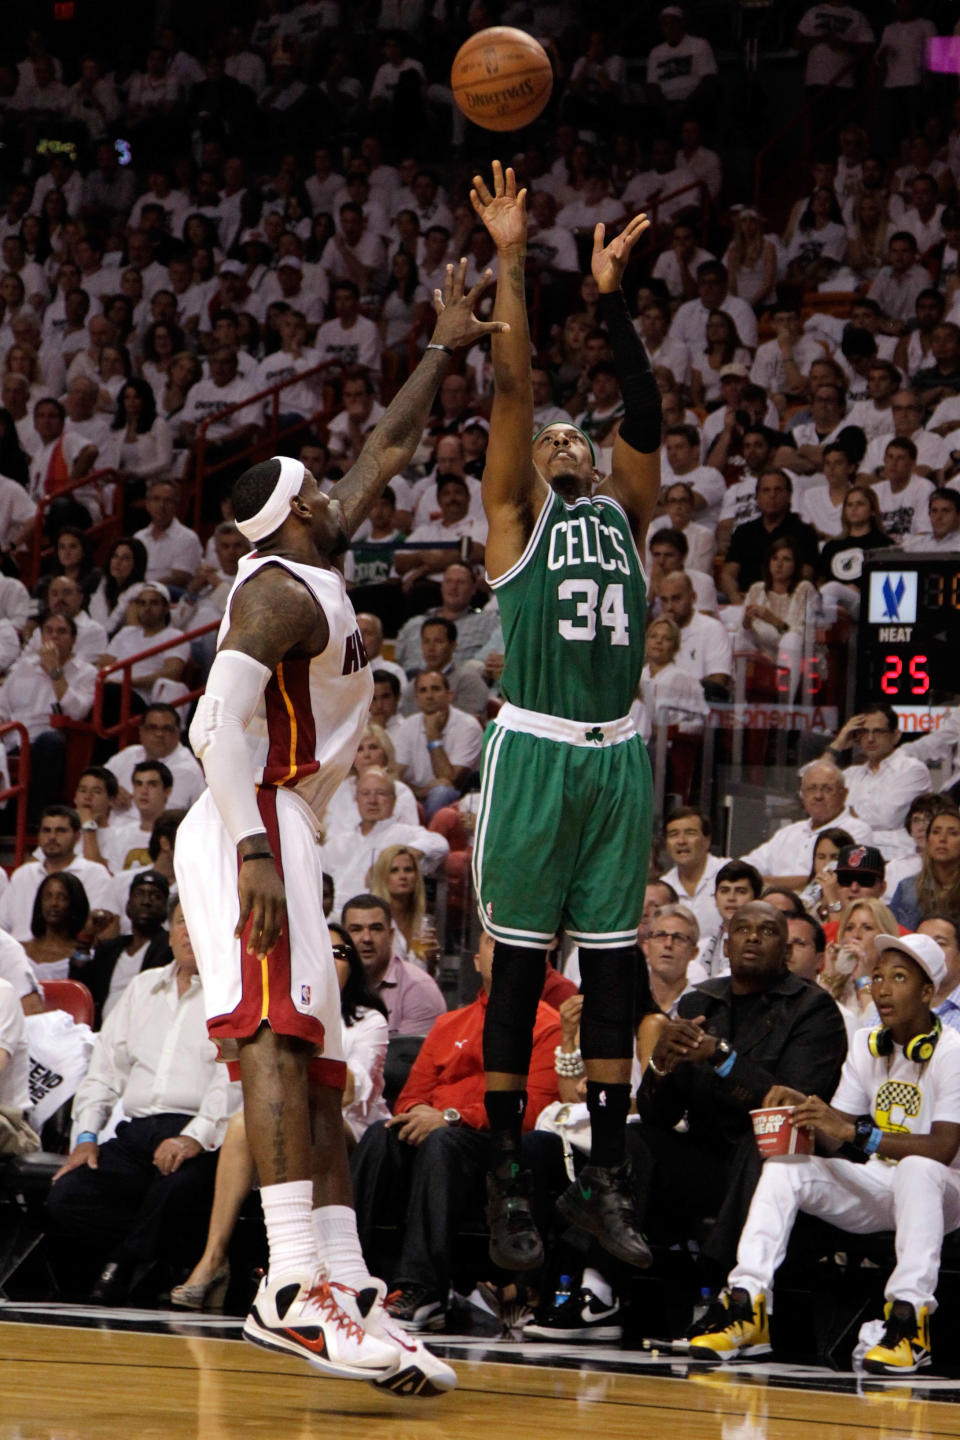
column 538, row 433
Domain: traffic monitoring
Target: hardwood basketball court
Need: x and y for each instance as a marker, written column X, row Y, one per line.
column 71, row 1373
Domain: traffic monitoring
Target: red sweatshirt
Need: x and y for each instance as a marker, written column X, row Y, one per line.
column 448, row 1072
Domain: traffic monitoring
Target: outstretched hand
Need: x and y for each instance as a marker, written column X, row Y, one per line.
column 608, row 262
column 457, row 326
column 504, row 212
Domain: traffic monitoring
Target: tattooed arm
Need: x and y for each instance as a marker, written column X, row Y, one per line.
column 391, row 444
column 513, row 491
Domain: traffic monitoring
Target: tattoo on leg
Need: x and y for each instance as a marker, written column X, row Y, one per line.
column 279, row 1144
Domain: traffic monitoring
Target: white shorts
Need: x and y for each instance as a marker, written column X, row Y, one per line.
column 294, row 989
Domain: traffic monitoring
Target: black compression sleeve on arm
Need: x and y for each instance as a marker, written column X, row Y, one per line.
column 643, row 417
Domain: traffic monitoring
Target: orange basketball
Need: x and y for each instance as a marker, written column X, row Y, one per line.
column 501, row 78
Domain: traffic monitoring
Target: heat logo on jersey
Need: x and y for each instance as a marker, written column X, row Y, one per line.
column 897, row 1102
column 354, row 655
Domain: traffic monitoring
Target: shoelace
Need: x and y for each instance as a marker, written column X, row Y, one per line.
column 323, row 1296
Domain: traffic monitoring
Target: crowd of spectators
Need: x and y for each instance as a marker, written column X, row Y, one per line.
column 186, row 229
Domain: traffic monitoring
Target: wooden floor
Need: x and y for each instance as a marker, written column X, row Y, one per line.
column 63, row 1383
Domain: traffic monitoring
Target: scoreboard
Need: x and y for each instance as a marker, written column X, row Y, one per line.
column 908, row 647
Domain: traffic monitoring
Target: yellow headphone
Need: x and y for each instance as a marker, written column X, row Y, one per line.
column 920, row 1049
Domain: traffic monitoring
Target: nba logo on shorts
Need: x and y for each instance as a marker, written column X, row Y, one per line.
column 304, row 994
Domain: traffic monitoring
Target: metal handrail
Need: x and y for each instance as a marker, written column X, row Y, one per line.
column 202, row 470
column 111, row 520
column 21, row 790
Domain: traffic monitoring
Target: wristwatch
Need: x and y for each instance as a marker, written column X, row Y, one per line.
column 722, row 1053
column 452, row 1117
column 89, row 825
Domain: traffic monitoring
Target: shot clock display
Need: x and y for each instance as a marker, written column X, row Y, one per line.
column 908, row 652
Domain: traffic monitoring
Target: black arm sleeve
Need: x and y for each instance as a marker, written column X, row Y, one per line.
column 643, row 417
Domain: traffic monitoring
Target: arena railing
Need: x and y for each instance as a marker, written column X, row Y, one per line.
column 264, row 444
column 18, row 790
column 102, row 534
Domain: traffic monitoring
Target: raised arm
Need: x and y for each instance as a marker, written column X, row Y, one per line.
column 513, row 491
column 635, row 475
column 391, row 444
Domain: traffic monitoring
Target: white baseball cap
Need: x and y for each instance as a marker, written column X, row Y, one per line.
column 922, row 949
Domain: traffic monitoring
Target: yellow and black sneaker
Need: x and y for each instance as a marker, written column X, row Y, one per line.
column 734, row 1328
column 905, row 1344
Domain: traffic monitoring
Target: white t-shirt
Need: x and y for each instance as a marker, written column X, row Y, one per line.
column 678, row 69
column 905, row 513
column 206, row 399
column 740, row 501
column 903, row 1097
column 303, row 399
column 14, row 1086
column 176, row 548
column 818, row 510
column 667, row 267
column 701, row 543
column 932, row 451
column 905, row 44
column 358, row 345
column 188, row 781
column 846, row 23
column 705, row 647
column 462, row 739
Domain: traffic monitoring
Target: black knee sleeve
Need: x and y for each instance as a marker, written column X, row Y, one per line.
column 518, row 976
column 608, row 980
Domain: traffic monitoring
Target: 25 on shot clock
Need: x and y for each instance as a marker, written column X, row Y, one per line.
column 908, row 652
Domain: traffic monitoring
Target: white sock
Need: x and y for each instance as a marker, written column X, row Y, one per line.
column 594, row 1282
column 338, row 1245
column 286, row 1213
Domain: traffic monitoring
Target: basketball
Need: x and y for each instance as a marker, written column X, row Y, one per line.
column 501, row 78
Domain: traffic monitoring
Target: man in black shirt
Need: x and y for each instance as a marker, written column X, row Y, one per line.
column 750, row 542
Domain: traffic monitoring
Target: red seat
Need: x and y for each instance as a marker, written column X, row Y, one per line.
column 448, row 823
column 69, row 995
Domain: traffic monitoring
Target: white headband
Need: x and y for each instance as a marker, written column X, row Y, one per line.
column 272, row 514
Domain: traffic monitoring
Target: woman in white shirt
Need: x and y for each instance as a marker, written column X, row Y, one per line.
column 161, row 342
column 670, row 696
column 819, row 242
column 778, row 609
column 724, row 347
column 751, row 259
column 124, row 574
column 141, row 441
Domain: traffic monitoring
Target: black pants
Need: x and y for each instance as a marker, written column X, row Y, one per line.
column 126, row 1209
column 427, row 1189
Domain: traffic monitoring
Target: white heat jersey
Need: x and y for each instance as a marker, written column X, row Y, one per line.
column 305, row 733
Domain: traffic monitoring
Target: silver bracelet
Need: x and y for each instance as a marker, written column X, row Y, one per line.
column 652, row 1065
column 435, row 345
column 568, row 1063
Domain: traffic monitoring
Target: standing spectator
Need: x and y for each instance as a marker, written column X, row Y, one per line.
column 681, row 71
column 902, row 59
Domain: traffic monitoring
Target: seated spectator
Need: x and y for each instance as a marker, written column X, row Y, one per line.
column 751, row 257
column 781, row 365
column 736, row 884
column 458, row 588
column 874, row 414
column 348, row 854
column 413, row 1000
column 595, row 205
column 456, row 523
column 58, row 838
column 822, row 505
column 95, row 801
column 438, row 646
column 57, row 459
column 160, row 859
column 374, row 751
column 941, row 380
column 880, row 789
column 371, row 632
column 932, row 452
column 715, row 1063
column 160, row 740
column 852, row 954
column 903, row 497
column 159, row 674
column 819, row 243
column 944, row 930
column 900, row 281
column 439, row 748
column 427, row 1163
column 682, row 447
column 173, row 550
column 670, row 695
column 15, row 1099
column 721, row 349
column 208, row 398
column 677, row 266
column 142, row 944
column 935, row 889
column 72, row 560
column 686, row 836
column 922, row 810
column 385, row 705
column 125, row 570
column 361, row 411
column 823, row 794
column 65, row 597
column 43, row 683
column 349, row 338
column 139, row 1196
column 668, row 553
column 778, row 613
column 811, row 431
column 669, row 950
column 841, row 560
column 396, row 878
column 60, row 913
column 750, row 542
column 863, row 1199
column 943, row 514
column 141, row 442
column 705, row 652
column 690, row 322
column 204, row 601
column 151, row 785
column 701, row 545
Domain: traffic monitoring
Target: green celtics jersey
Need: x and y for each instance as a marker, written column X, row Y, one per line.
column 572, row 610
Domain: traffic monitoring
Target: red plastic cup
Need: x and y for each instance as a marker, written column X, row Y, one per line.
column 777, row 1138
